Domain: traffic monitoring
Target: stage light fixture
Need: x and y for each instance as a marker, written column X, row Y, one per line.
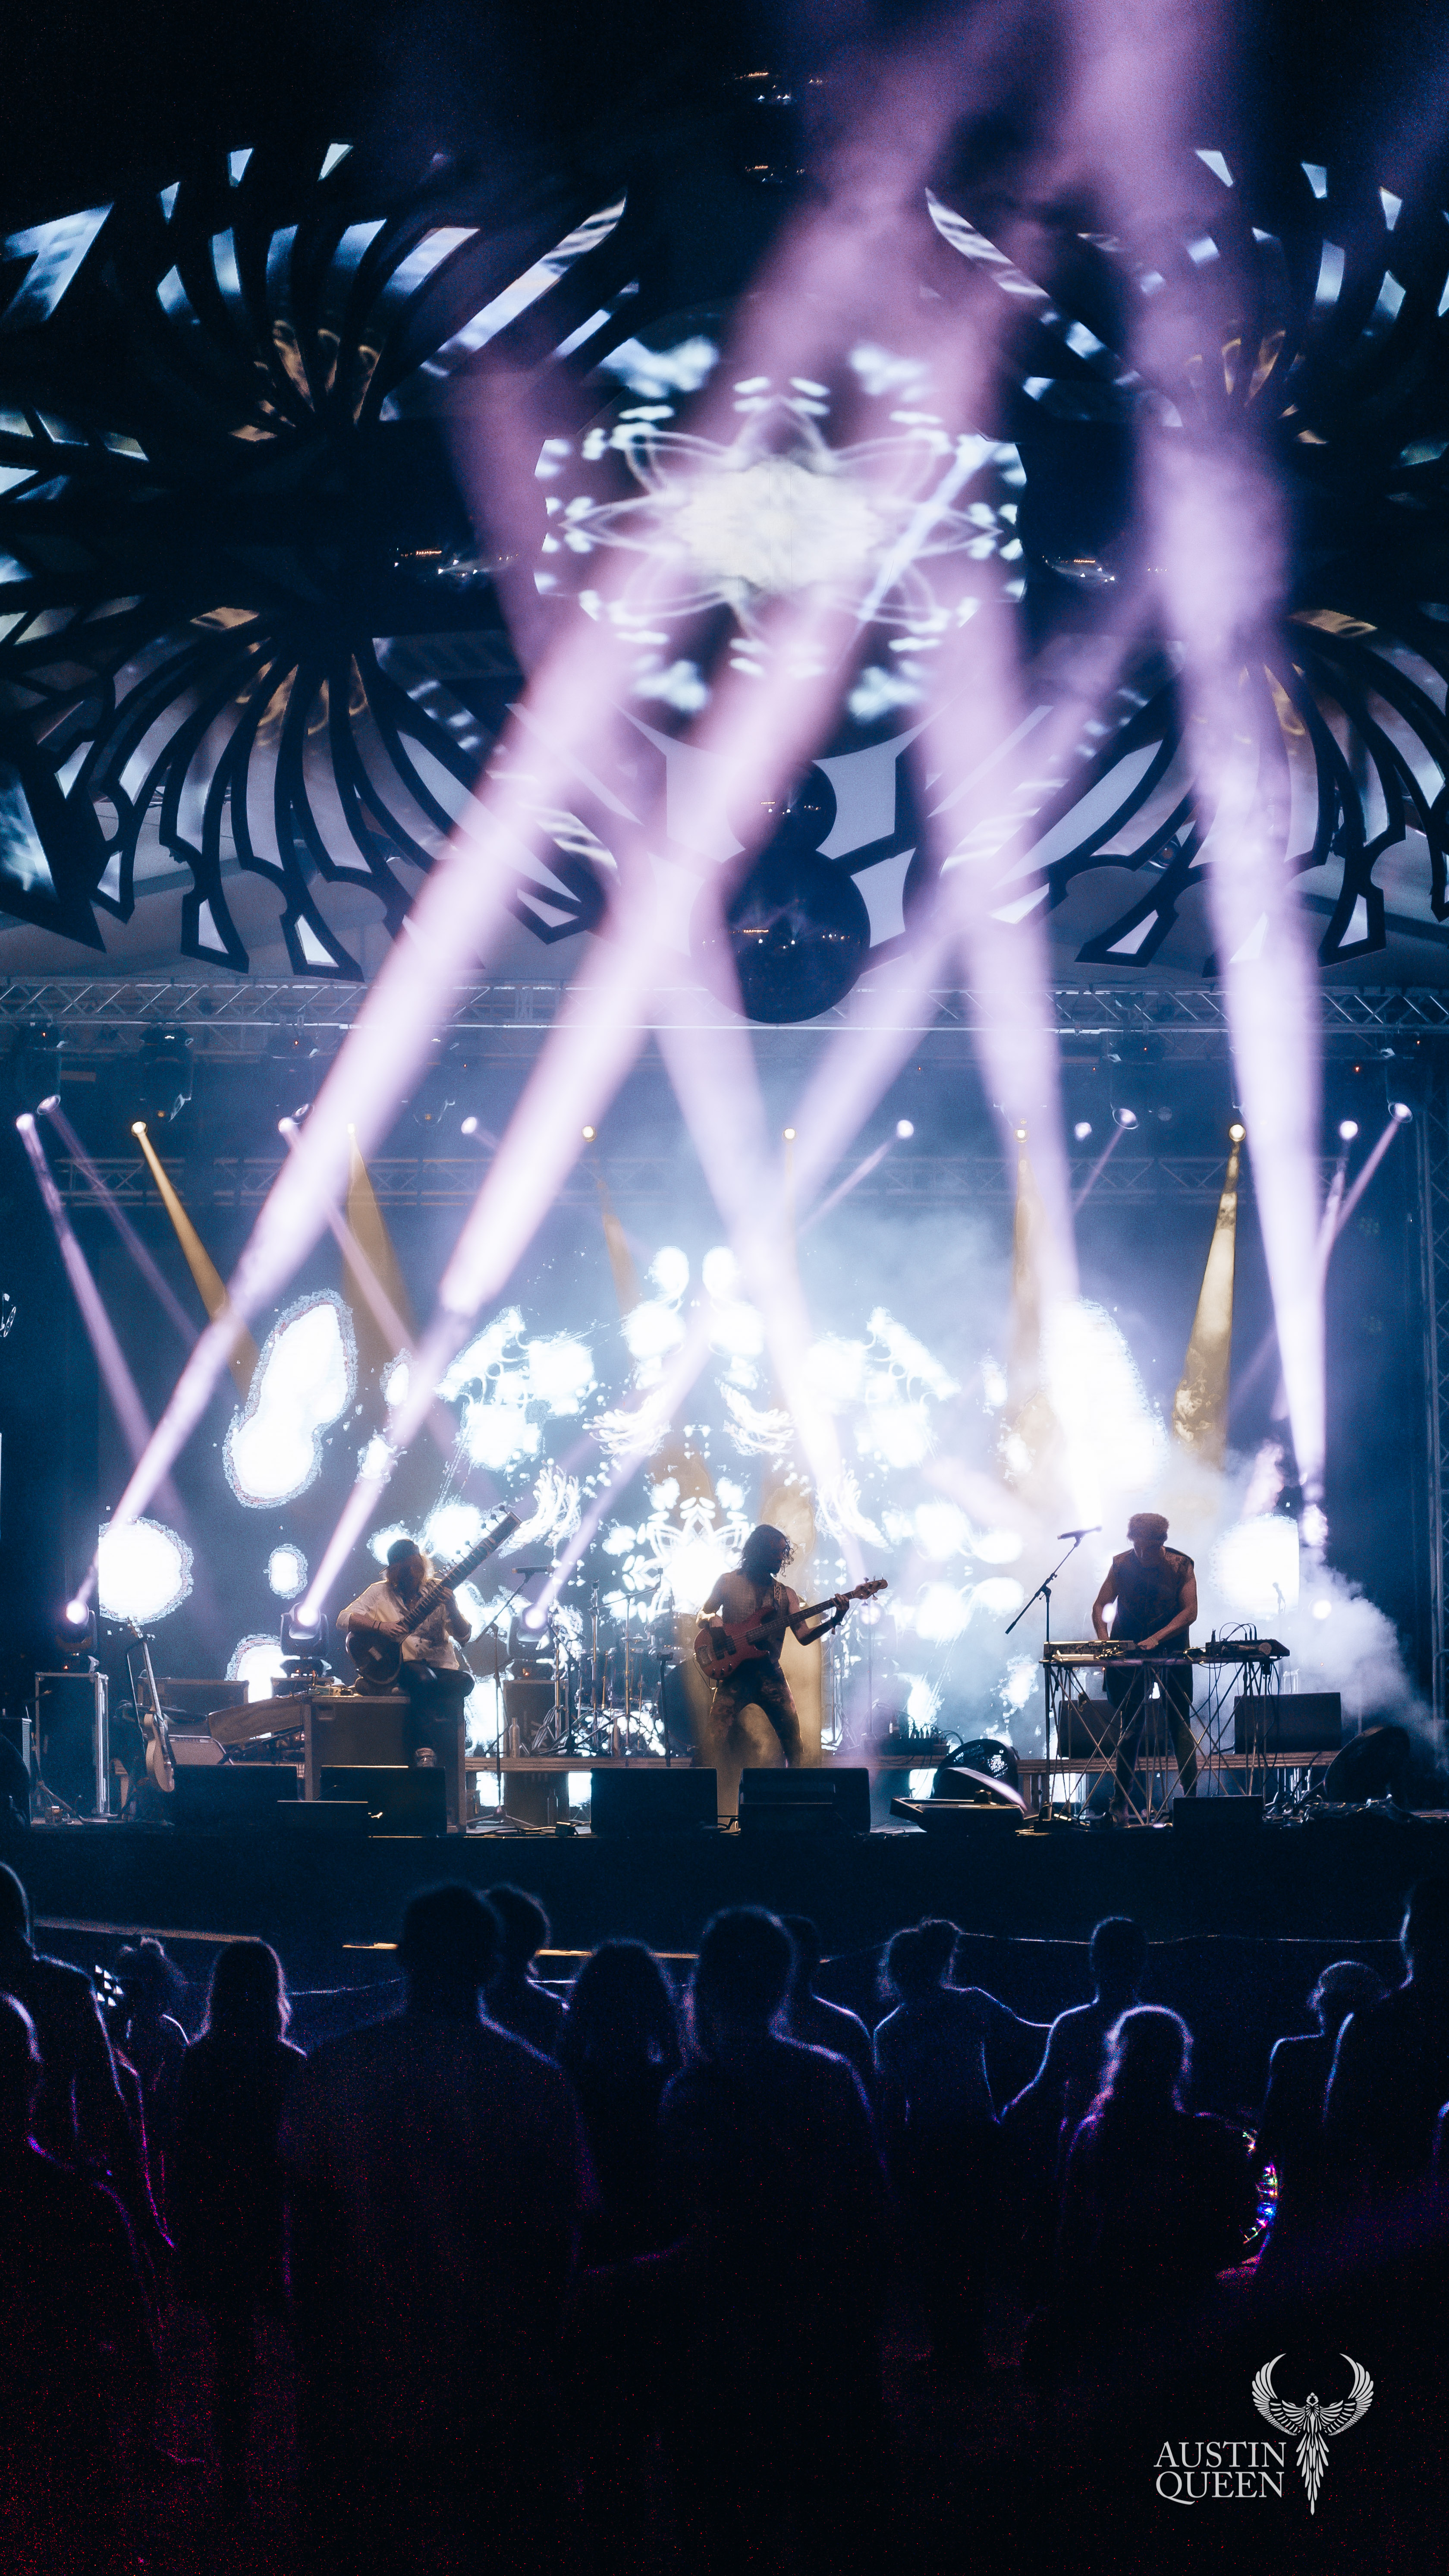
column 1400, row 1109
column 904, row 1129
column 1348, row 1129
column 75, row 1629
column 1323, row 1609
column 789, row 1135
column 165, row 1074
column 1237, row 1132
column 1125, row 1117
column 469, row 1127
column 1021, row 1135
column 1082, row 1130
column 589, row 1134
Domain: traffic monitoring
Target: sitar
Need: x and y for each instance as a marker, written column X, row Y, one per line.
column 376, row 1653
column 722, row 1645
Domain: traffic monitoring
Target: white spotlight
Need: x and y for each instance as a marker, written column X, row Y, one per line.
column 76, row 1614
column 1082, row 1130
column 904, row 1129
column 1400, row 1109
column 1323, row 1609
column 1125, row 1117
column 470, row 1127
column 1348, row 1129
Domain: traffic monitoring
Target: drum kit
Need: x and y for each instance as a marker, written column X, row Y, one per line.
column 591, row 1687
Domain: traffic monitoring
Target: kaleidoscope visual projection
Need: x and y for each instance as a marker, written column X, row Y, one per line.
column 954, row 1485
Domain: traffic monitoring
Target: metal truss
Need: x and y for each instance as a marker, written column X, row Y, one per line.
column 1433, row 1125
column 102, row 1015
column 423, row 1180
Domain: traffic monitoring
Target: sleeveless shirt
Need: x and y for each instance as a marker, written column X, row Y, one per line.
column 1149, row 1595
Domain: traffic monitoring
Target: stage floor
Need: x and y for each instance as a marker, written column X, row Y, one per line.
column 1341, row 1878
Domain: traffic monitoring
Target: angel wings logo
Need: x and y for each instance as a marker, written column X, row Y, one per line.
column 1313, row 2423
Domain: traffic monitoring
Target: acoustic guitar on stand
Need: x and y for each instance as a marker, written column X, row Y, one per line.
column 721, row 1645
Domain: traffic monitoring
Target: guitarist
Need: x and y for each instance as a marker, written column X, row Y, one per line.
column 755, row 1592
column 434, row 1676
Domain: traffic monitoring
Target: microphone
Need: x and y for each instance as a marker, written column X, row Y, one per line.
column 524, row 1571
column 1081, row 1533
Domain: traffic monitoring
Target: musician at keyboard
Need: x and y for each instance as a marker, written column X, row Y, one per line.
column 1154, row 1589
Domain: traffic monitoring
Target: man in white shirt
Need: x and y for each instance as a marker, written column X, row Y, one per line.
column 433, row 1674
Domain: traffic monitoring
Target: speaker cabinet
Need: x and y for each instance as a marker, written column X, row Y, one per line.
column 73, row 1739
column 805, row 1802
column 628, row 1801
column 1276, row 1726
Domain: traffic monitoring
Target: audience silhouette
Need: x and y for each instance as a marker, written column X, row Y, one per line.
column 515, row 2001
column 1290, row 2124
column 771, row 2166
column 438, row 2180
column 77, row 2359
column 619, row 2046
column 940, row 2130
column 1390, row 2074
column 813, row 2021
column 80, row 2112
column 604, row 2288
column 229, row 2188
column 152, row 2043
column 1157, row 2199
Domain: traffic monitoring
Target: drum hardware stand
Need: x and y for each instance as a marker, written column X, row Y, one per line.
column 509, row 1596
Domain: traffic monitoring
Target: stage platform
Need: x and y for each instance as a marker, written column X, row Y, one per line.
column 1342, row 1878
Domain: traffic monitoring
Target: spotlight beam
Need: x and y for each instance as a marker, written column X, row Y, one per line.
column 1375, row 1157
column 1098, row 1168
column 110, row 1359
column 242, row 1356
column 851, row 1182
column 158, row 1284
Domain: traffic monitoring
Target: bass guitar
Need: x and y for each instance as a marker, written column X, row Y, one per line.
column 376, row 1653
column 722, row 1645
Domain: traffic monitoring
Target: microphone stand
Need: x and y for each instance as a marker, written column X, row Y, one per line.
column 1043, row 1590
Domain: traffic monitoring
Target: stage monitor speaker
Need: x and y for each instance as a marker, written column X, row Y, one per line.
column 235, row 1797
column 1277, row 1725
column 805, row 1802
column 1370, row 1765
column 629, row 1801
column 987, row 1821
column 1216, row 1821
column 398, row 1801
column 74, row 1751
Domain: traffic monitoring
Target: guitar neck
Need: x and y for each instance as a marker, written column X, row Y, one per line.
column 432, row 1593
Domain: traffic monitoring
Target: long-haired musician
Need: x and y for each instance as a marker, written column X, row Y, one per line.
column 1154, row 1587
column 434, row 1675
column 755, row 1592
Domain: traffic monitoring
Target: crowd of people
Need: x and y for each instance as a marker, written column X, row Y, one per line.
column 607, row 2280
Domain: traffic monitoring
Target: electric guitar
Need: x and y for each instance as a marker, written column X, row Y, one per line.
column 376, row 1653
column 722, row 1645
